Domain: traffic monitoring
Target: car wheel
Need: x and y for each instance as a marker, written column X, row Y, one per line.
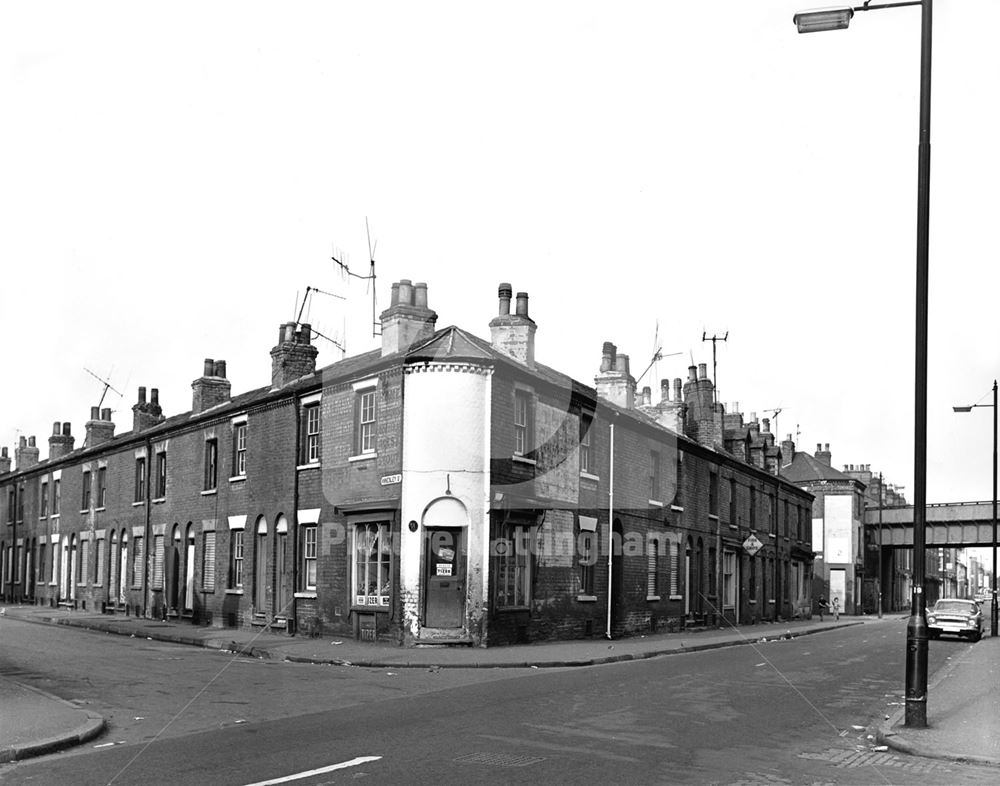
column 977, row 635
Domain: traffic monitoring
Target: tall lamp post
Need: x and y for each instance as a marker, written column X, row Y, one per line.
column 993, row 600
column 916, row 626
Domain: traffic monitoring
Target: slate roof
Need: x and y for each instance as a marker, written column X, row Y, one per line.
column 805, row 468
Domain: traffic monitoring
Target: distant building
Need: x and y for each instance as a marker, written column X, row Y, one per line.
column 441, row 488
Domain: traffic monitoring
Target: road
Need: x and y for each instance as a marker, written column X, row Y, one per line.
column 784, row 712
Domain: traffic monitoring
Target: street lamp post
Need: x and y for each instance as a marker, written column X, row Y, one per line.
column 881, row 503
column 916, row 626
column 993, row 599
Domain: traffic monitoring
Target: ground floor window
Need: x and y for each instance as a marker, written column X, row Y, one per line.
column 158, row 562
column 653, row 569
column 137, row 558
column 728, row 578
column 512, row 566
column 309, row 557
column 236, row 559
column 372, row 566
column 208, row 562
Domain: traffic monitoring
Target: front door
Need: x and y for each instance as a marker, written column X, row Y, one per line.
column 445, row 578
column 189, row 575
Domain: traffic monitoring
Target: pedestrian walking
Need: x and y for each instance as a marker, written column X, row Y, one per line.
column 823, row 606
column 836, row 609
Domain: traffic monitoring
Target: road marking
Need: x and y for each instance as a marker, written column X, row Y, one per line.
column 320, row 771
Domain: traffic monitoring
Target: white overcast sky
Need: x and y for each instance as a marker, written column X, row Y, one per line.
column 172, row 176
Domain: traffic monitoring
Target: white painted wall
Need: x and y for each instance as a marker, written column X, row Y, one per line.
column 446, row 437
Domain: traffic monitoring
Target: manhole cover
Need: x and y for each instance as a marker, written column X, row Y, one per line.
column 499, row 759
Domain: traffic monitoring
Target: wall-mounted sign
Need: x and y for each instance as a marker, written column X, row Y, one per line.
column 752, row 545
column 443, row 569
column 388, row 480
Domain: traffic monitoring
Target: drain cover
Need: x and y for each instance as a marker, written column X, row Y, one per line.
column 499, row 759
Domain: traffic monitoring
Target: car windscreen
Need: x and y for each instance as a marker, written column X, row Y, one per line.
column 954, row 606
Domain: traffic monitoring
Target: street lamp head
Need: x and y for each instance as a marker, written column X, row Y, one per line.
column 962, row 409
column 823, row 19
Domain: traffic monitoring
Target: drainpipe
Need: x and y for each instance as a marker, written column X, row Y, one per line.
column 147, row 539
column 611, row 519
column 293, row 617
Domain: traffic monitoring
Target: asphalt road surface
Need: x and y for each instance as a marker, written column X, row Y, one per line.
column 780, row 712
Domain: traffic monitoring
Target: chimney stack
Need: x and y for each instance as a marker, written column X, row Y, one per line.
column 146, row 415
column 61, row 441
column 212, row 388
column 614, row 382
column 823, row 456
column 408, row 320
column 787, row 451
column 514, row 334
column 26, row 453
column 4, row 461
column 292, row 358
column 99, row 428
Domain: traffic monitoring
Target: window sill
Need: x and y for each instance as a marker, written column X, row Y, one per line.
column 752, row 602
column 234, row 592
column 137, row 504
column 53, row 516
column 588, row 476
column 159, row 500
column 734, row 526
column 675, row 597
column 677, row 508
column 652, row 598
column 209, row 492
column 363, row 456
column 307, row 595
column 511, row 609
column 84, row 511
column 366, row 608
column 207, row 590
column 237, row 478
column 713, row 517
column 587, row 598
column 523, row 460
column 100, row 509
column 40, row 518
column 655, row 503
column 310, row 465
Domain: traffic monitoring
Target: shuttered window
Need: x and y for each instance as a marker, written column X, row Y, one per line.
column 157, row 562
column 137, row 562
column 100, row 562
column 208, row 562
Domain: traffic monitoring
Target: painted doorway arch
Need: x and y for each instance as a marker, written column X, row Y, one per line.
column 446, row 522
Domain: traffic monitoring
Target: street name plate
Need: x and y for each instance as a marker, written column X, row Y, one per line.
column 751, row 545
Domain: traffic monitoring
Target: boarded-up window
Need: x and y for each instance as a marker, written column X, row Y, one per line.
column 137, row 562
column 100, row 562
column 208, row 562
column 157, row 562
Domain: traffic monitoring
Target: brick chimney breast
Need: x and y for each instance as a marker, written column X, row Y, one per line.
column 614, row 383
column 61, row 441
column 26, row 453
column 99, row 429
column 4, row 461
column 294, row 356
column 514, row 334
column 408, row 320
column 212, row 388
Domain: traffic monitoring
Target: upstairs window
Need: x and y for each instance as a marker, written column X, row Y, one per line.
column 310, row 427
column 43, row 500
column 523, row 426
column 654, row 477
column 140, row 479
column 585, row 423
column 11, row 505
column 102, row 486
column 56, row 497
column 240, row 450
column 85, row 497
column 713, row 493
column 366, row 421
column 161, row 475
column 211, row 464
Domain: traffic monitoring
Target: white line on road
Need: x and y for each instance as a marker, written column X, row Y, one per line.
column 320, row 771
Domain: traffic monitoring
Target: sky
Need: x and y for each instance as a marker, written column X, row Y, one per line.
column 175, row 176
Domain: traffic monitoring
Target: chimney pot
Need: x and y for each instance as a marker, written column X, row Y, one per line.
column 154, row 397
column 106, row 413
column 664, row 390
column 827, row 448
column 3, row 453
column 522, row 304
column 702, row 371
column 420, row 295
column 95, row 413
column 31, row 442
column 406, row 292
column 505, row 292
column 621, row 363
column 67, row 430
column 394, row 297
column 23, row 442
column 56, row 428
column 209, row 368
column 607, row 353
column 819, row 447
column 142, row 395
column 647, row 395
column 766, row 423
column 692, row 373
column 220, row 369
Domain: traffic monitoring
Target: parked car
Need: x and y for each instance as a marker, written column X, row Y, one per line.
column 956, row 616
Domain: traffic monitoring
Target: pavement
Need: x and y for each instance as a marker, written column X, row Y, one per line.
column 964, row 705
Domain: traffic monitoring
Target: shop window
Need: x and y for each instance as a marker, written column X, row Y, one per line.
column 372, row 564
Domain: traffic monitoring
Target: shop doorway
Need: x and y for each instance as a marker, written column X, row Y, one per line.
column 444, row 603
